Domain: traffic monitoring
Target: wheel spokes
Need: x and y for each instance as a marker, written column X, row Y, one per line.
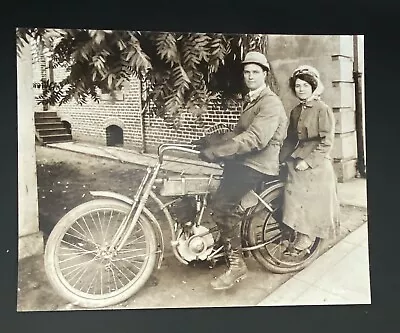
column 87, row 263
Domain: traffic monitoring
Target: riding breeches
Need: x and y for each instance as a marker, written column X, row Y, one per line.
column 237, row 180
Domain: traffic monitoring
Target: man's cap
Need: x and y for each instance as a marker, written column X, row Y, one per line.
column 258, row 58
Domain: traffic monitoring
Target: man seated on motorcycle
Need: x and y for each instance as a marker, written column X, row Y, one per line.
column 250, row 154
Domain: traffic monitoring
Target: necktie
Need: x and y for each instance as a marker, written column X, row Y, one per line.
column 246, row 100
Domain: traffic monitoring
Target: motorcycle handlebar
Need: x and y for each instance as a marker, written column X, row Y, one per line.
column 187, row 148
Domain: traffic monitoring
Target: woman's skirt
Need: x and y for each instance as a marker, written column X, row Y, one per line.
column 310, row 200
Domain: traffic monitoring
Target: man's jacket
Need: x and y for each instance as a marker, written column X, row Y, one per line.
column 260, row 132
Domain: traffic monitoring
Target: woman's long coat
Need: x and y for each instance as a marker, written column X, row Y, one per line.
column 310, row 198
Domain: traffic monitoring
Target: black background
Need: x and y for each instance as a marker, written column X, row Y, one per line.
column 377, row 20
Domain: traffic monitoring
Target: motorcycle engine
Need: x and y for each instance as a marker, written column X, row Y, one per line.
column 194, row 242
column 197, row 244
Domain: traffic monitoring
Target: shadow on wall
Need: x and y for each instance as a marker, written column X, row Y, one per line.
column 114, row 136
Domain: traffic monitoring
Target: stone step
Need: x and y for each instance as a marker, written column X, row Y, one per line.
column 53, row 131
column 56, row 138
column 43, row 126
column 44, row 114
column 47, row 119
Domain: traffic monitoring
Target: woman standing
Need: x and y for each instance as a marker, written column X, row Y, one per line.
column 310, row 201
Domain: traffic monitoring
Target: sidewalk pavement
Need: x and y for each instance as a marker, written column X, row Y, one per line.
column 339, row 276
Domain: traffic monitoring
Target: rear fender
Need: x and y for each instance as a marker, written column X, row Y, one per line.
column 250, row 198
column 267, row 189
column 146, row 212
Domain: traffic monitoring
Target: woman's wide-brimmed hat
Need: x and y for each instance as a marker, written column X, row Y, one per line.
column 313, row 72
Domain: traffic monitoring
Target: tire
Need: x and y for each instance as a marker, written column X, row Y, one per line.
column 73, row 255
column 263, row 226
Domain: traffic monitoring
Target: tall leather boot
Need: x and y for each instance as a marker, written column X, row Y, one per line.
column 237, row 269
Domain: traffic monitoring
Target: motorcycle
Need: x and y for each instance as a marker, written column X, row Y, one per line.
column 103, row 251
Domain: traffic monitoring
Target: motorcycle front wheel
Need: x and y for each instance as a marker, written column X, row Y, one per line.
column 265, row 227
column 84, row 270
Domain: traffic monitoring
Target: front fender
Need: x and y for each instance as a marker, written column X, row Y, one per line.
column 146, row 212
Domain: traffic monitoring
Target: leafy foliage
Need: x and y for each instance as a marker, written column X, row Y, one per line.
column 183, row 70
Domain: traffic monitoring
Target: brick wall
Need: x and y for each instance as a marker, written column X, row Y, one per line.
column 159, row 131
column 89, row 121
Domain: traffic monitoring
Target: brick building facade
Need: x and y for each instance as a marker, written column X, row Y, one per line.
column 97, row 122
column 119, row 121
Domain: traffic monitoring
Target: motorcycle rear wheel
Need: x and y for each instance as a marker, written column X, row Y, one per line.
column 264, row 226
column 77, row 262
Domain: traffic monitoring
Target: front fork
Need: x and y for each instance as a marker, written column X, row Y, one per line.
column 139, row 202
column 142, row 195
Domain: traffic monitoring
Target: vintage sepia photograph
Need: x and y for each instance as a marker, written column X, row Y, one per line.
column 190, row 170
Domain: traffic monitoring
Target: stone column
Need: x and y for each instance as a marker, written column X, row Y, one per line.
column 345, row 146
column 30, row 239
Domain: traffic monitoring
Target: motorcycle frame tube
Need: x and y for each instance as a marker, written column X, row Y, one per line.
column 135, row 201
column 170, row 220
column 142, row 203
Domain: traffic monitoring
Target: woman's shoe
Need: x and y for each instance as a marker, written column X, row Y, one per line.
column 301, row 246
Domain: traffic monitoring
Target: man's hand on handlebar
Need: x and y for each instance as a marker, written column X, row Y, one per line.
column 207, row 155
column 200, row 143
column 223, row 150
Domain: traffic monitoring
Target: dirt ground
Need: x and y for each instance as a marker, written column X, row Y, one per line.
column 64, row 181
